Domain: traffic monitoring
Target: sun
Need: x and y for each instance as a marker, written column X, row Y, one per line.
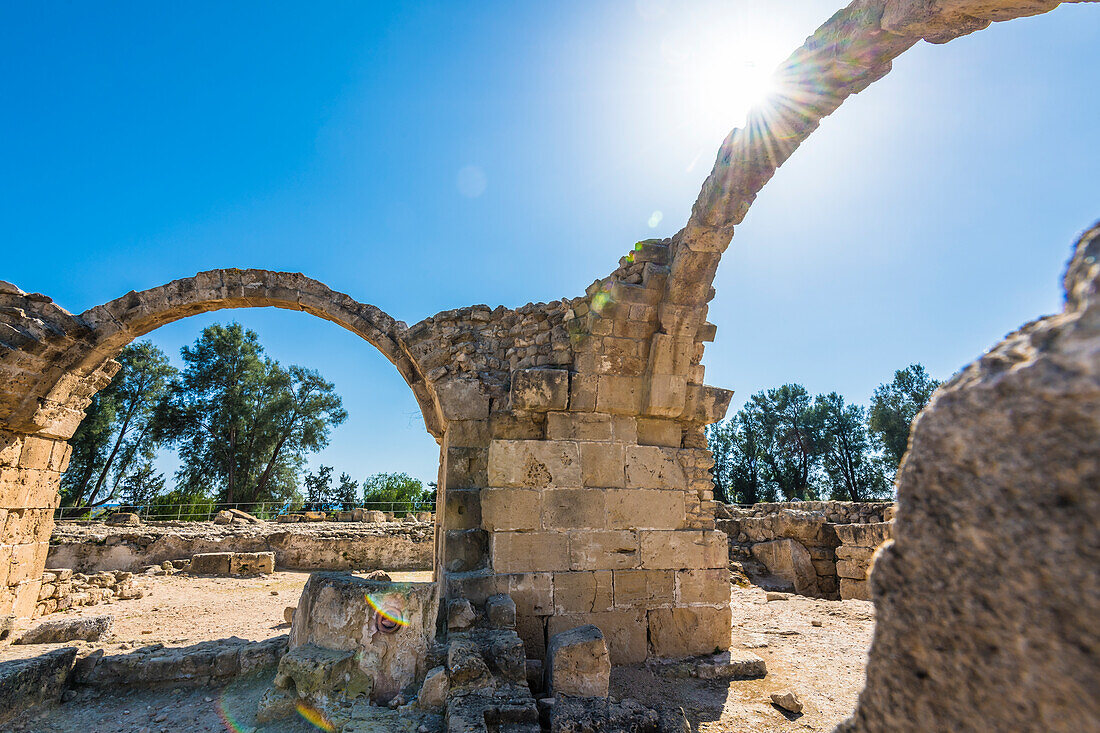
column 720, row 74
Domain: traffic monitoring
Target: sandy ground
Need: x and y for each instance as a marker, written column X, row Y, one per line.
column 823, row 664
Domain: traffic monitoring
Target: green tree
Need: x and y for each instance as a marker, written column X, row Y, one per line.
column 789, row 439
column 120, row 427
column 853, row 470
column 895, row 405
column 400, row 491
column 318, row 488
column 243, row 423
column 142, row 486
column 737, row 471
column 347, row 492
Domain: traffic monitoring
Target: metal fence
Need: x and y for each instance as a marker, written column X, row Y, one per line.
column 204, row 511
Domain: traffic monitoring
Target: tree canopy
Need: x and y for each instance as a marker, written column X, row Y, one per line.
column 241, row 422
column 783, row 444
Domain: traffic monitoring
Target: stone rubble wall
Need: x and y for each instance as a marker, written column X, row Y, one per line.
column 62, row 589
column 855, row 554
column 91, row 546
column 833, row 534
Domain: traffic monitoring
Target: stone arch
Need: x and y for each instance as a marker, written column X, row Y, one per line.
column 53, row 362
column 85, row 363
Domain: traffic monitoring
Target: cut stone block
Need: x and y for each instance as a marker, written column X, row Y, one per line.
column 211, row 563
column 540, row 390
column 578, row 663
column 252, row 563
column 686, row 631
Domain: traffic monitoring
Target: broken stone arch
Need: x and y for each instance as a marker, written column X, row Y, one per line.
column 574, row 470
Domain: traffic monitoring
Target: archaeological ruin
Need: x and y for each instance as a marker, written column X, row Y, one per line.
column 574, row 485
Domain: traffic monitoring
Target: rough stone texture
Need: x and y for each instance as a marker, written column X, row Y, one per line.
column 211, row 563
column 790, row 560
column 92, row 546
column 577, row 663
column 88, row 628
column 28, row 682
column 199, row 664
column 61, row 589
column 1003, row 458
column 816, row 525
column 386, row 628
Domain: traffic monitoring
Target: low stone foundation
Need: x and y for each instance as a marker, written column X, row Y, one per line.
column 89, row 546
column 63, row 589
column 818, row 548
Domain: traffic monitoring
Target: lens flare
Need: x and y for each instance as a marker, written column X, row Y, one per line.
column 392, row 617
column 231, row 724
column 314, row 717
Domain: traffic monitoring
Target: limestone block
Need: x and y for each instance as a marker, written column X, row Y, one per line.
column 534, row 464
column 223, row 517
column 517, row 552
column 460, row 614
column 465, row 550
column 36, row 452
column 129, row 519
column 573, row 509
column 462, row 399
column 686, row 631
column 655, row 431
column 673, row 550
column 645, row 509
column 707, row 585
column 667, row 395
column 603, row 550
column 26, row 682
column 532, row 630
column 602, row 465
column 789, row 560
column 644, row 588
column 582, row 393
column 466, row 468
column 652, row 467
column 578, row 426
column 533, row 593
column 211, row 563
column 388, row 627
column 864, row 535
column 433, row 692
column 461, row 510
column 583, row 592
column 578, row 663
column 856, row 554
column 500, row 611
column 618, row 394
column 87, row 628
column 252, row 563
column 510, row 509
column 806, row 527
column 855, row 589
column 540, row 390
column 623, row 630
column 715, row 549
column 852, row 569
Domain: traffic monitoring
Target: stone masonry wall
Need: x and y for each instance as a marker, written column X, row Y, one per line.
column 90, row 546
column 830, row 532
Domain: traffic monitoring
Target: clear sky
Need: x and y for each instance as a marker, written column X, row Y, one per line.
column 436, row 155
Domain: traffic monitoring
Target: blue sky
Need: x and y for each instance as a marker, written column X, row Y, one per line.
column 436, row 155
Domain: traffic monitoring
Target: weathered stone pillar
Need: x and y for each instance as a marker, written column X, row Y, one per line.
column 30, row 471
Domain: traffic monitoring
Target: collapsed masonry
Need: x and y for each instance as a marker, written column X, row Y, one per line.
column 814, row 548
column 589, row 412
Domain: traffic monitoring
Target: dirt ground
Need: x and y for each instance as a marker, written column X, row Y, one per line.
column 823, row 664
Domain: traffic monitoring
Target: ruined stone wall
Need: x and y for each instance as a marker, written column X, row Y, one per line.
column 803, row 542
column 94, row 546
column 63, row 589
column 30, row 469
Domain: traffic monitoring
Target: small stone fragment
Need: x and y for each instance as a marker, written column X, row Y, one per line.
column 89, row 628
column 501, row 611
column 787, row 700
column 433, row 693
column 288, row 614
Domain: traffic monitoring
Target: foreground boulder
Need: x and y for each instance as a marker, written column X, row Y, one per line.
column 89, row 628
column 988, row 596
